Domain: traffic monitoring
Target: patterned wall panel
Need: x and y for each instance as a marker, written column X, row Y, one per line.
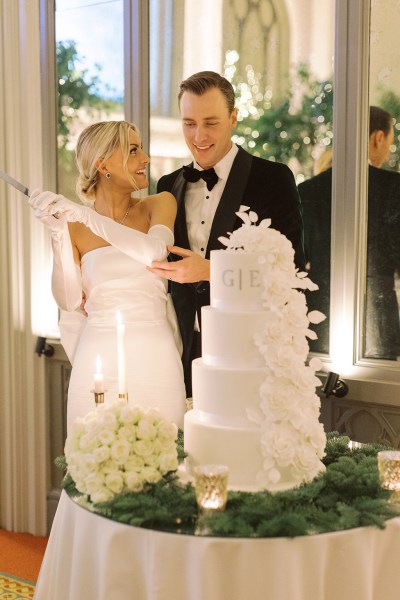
column 362, row 421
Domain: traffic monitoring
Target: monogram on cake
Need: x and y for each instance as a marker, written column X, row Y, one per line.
column 255, row 408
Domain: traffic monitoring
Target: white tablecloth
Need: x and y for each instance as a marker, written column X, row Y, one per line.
column 89, row 557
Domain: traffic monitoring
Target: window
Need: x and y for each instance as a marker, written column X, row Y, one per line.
column 90, row 74
column 279, row 57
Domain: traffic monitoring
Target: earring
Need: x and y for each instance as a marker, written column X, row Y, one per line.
column 108, row 175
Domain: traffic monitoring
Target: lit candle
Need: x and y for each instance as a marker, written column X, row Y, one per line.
column 211, row 486
column 98, row 377
column 121, row 355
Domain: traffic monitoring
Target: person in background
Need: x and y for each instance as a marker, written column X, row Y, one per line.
column 382, row 327
column 209, row 192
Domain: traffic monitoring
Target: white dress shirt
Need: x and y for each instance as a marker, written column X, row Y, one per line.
column 201, row 204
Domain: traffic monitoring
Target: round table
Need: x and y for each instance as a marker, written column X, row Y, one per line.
column 89, row 557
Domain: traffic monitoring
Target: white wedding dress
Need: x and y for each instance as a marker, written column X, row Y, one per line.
column 113, row 281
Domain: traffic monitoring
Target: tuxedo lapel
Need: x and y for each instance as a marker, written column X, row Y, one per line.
column 231, row 200
column 180, row 230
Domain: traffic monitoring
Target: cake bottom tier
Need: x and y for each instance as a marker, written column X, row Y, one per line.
column 212, row 442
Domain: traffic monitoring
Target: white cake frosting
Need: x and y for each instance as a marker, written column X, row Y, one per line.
column 254, row 403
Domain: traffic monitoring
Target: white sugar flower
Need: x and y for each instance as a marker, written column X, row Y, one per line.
column 292, row 439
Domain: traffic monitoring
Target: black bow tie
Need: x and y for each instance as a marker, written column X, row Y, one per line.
column 209, row 175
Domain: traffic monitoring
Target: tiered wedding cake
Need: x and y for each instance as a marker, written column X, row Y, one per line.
column 255, row 406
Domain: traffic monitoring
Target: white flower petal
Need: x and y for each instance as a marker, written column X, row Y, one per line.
column 311, row 334
column 315, row 316
column 254, row 415
column 225, row 241
column 316, row 364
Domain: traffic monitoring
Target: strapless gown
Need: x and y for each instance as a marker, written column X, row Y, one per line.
column 112, row 281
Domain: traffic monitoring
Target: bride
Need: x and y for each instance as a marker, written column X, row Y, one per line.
column 101, row 250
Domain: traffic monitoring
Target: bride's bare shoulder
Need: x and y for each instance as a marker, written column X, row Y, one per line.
column 160, row 198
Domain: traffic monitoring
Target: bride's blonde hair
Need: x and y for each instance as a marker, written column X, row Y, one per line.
column 98, row 142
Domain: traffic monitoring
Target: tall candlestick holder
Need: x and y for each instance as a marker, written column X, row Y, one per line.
column 98, row 397
column 123, row 396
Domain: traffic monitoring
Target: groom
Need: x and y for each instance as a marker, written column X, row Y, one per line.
column 208, row 196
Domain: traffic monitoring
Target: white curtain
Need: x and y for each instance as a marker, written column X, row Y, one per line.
column 23, row 456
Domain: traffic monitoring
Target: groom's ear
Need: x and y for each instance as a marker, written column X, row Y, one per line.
column 234, row 116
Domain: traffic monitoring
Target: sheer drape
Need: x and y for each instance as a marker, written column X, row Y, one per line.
column 22, row 382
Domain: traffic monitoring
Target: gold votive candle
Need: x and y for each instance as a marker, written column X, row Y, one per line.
column 389, row 469
column 211, row 486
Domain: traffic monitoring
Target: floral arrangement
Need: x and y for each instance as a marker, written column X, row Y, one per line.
column 293, row 439
column 119, row 448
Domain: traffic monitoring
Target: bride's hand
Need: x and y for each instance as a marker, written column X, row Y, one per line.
column 54, row 222
column 50, row 207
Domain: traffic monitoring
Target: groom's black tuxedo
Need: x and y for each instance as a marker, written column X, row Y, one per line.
column 269, row 189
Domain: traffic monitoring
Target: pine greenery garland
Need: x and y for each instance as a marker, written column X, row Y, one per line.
column 347, row 495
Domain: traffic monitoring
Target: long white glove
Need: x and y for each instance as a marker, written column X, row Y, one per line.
column 142, row 247
column 66, row 282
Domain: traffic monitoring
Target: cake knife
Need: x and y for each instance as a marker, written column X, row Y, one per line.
column 19, row 186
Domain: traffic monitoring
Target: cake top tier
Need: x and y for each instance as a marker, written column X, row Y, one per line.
column 235, row 280
column 256, row 270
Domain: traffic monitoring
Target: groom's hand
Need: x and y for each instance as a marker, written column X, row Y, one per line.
column 190, row 269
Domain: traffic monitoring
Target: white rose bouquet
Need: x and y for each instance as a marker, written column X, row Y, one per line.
column 119, row 448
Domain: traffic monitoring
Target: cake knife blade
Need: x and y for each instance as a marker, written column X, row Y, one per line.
column 19, row 186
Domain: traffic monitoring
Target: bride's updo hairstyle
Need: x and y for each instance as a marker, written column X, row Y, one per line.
column 97, row 143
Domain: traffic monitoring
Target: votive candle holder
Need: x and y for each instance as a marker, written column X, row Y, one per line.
column 211, row 486
column 389, row 469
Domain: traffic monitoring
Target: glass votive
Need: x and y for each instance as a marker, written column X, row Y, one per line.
column 211, row 486
column 389, row 469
